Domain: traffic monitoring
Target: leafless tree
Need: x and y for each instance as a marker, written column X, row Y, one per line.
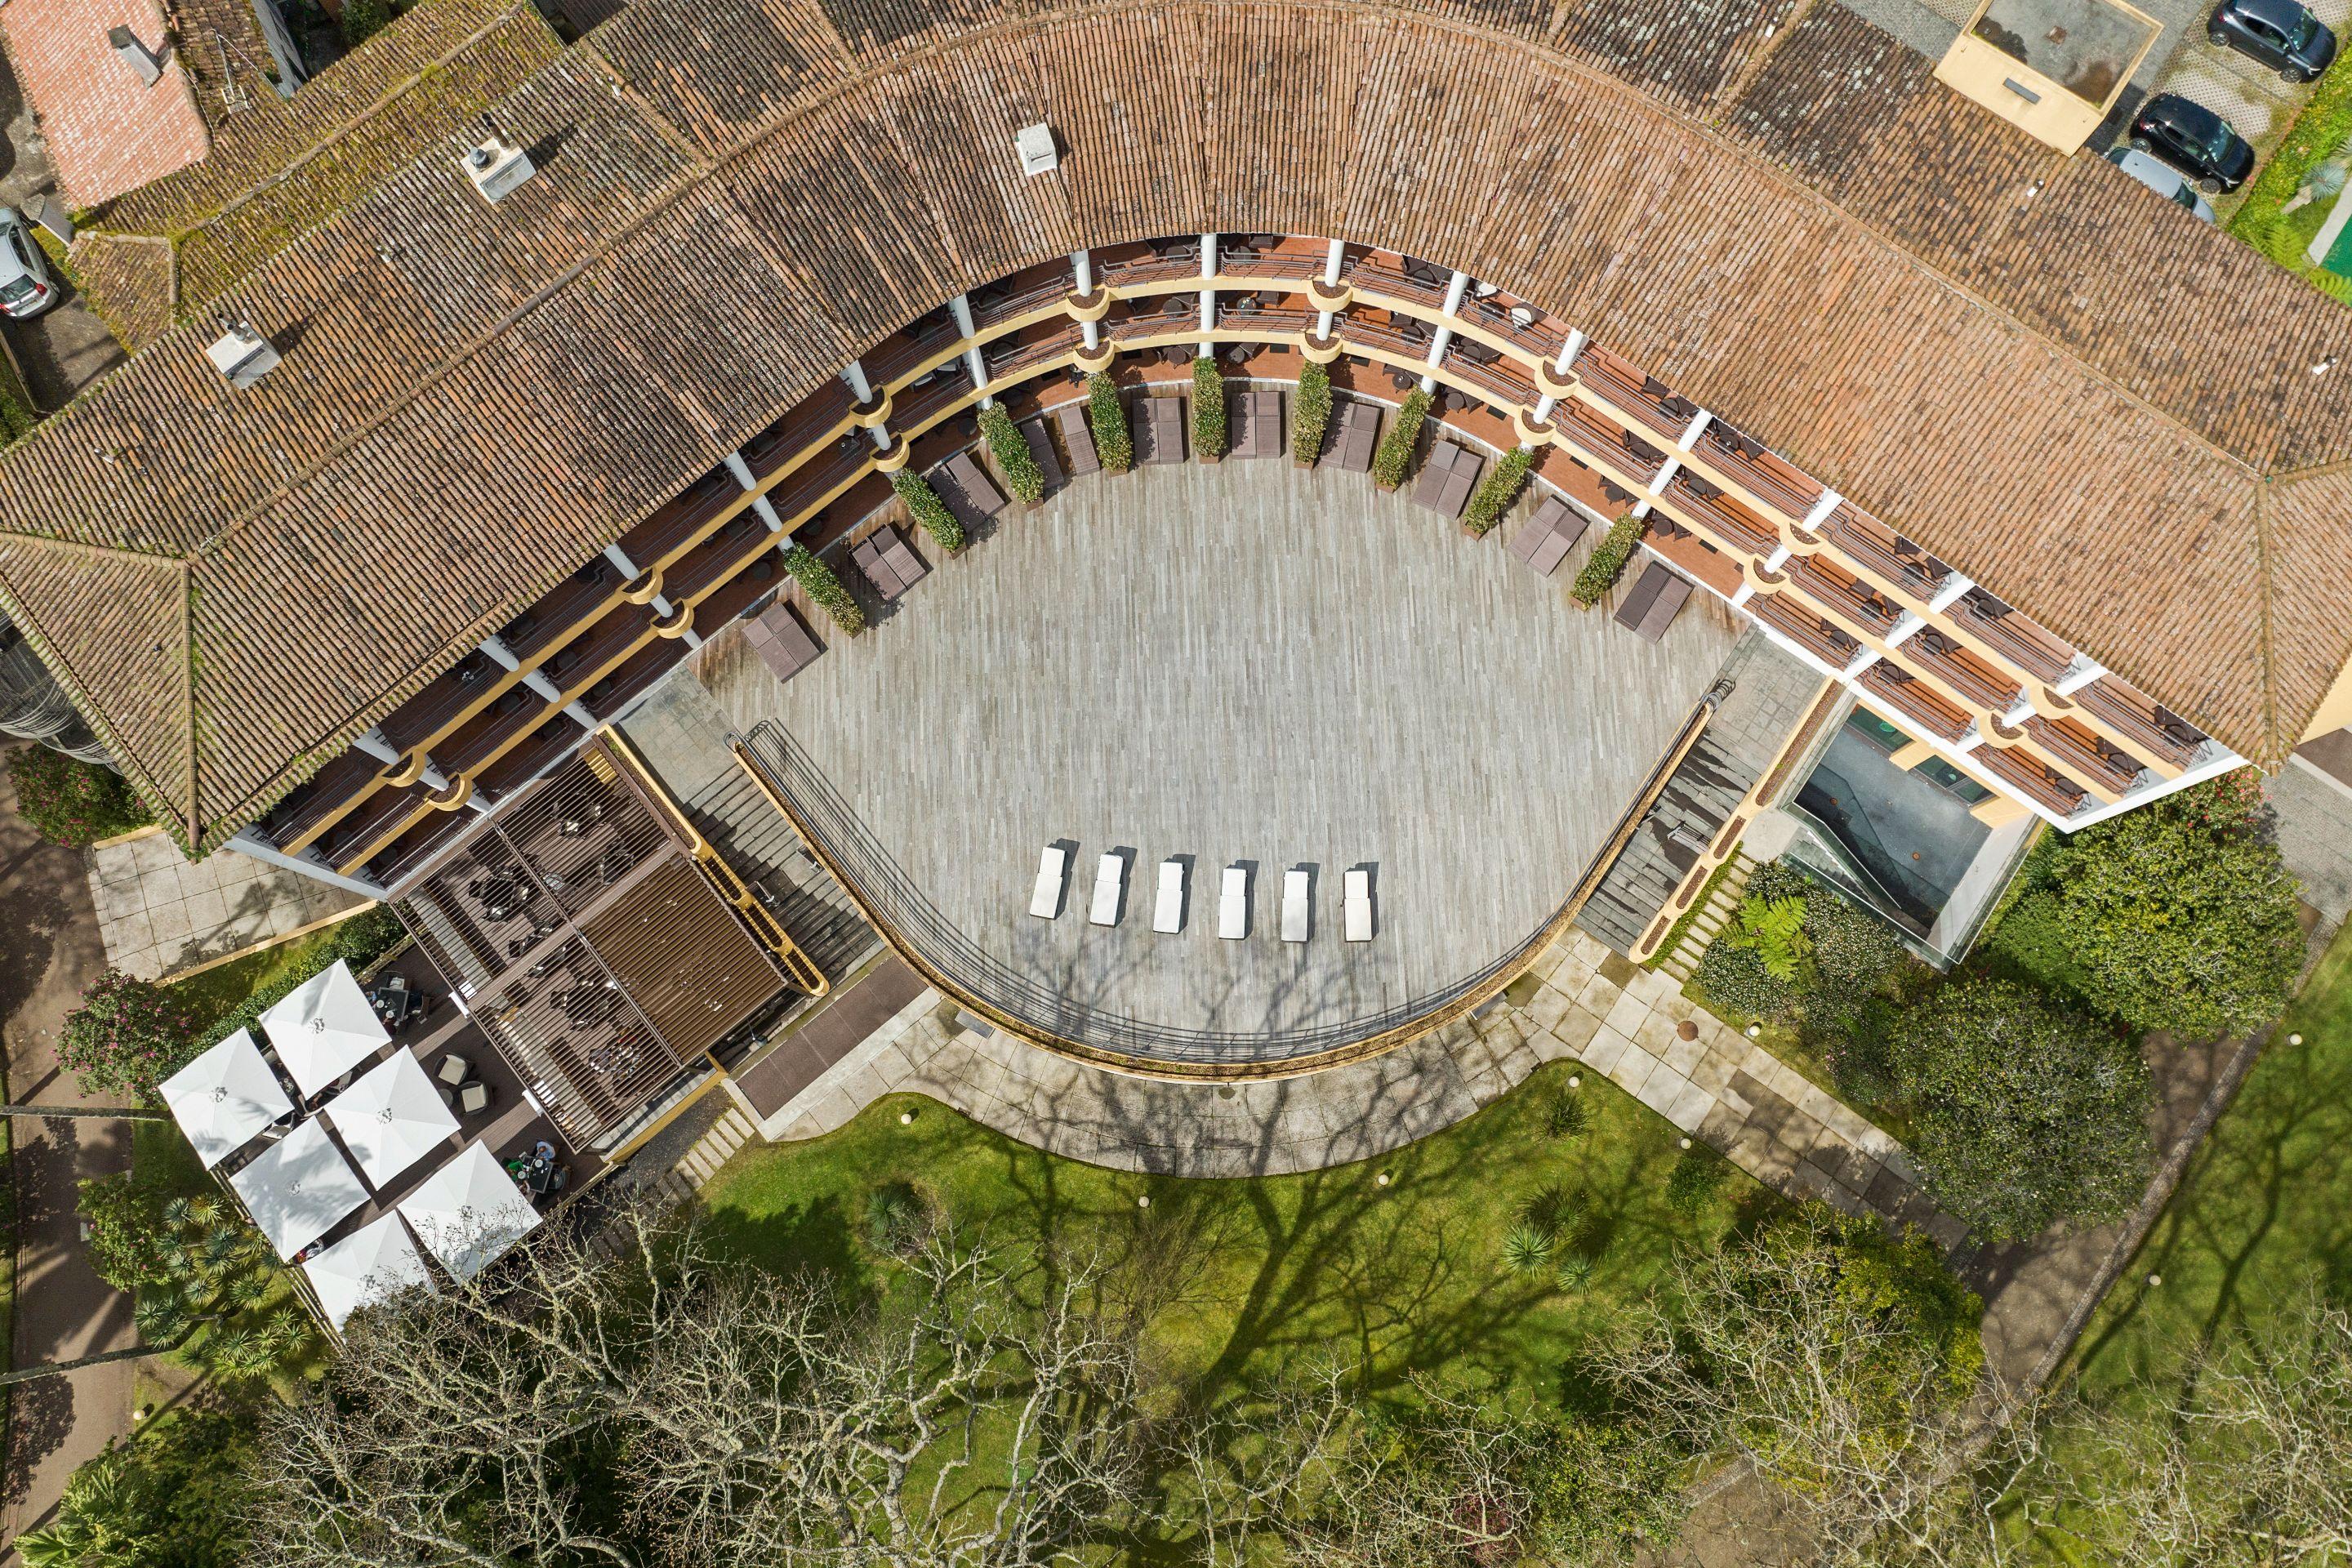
column 624, row 1399
column 1769, row 1354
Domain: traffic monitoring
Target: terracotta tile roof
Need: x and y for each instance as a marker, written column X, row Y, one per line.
column 738, row 196
column 106, row 130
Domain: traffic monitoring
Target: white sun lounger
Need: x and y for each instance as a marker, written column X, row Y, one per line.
column 1052, row 867
column 1232, row 905
column 1111, row 879
column 1294, row 906
column 1359, row 906
column 1168, row 914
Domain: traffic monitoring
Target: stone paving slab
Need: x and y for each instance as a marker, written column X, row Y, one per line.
column 161, row 914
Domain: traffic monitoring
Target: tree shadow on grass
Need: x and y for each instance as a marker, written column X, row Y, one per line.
column 817, row 1237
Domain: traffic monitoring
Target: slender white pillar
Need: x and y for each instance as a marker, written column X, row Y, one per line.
column 1568, row 351
column 1828, row 503
column 621, row 562
column 375, row 745
column 2081, row 673
column 1904, row 626
column 1860, row 662
column 859, row 388
column 1082, row 268
column 1694, row 429
column 1949, row 593
column 1208, row 270
column 975, row 363
column 1331, row 261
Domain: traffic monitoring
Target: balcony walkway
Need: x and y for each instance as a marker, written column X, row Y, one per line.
column 1247, row 663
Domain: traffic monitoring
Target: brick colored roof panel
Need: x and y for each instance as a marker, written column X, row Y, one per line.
column 735, row 197
column 106, row 130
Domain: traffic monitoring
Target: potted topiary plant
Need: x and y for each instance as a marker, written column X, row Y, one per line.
column 1393, row 460
column 1208, row 409
column 1311, row 415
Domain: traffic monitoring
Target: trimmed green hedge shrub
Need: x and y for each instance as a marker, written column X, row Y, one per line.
column 926, row 506
column 824, row 589
column 1108, row 415
column 1608, row 561
column 1022, row 474
column 1310, row 413
column 1208, row 407
column 1393, row 460
column 1498, row 489
column 71, row 802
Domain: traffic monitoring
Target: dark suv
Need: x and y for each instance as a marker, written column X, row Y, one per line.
column 2281, row 34
column 2193, row 140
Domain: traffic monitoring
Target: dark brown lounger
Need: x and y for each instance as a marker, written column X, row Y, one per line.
column 1359, row 433
column 1548, row 536
column 1159, row 430
column 1655, row 602
column 1041, row 451
column 780, row 639
column 1078, row 439
column 1447, row 479
column 1257, row 425
column 967, row 491
column 887, row 564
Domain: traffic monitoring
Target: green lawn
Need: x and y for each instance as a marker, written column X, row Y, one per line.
column 2260, row 1218
column 222, row 989
column 1247, row 1277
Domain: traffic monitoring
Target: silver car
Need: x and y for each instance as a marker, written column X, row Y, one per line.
column 2162, row 178
column 25, row 286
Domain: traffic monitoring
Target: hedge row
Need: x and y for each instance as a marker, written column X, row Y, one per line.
column 1499, row 489
column 1393, row 460
column 1208, row 407
column 1310, row 413
column 1108, row 415
column 924, row 504
column 1022, row 474
column 824, row 589
column 1608, row 560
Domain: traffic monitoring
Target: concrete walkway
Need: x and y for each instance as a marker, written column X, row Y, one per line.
column 1583, row 1003
column 161, row 914
column 49, row 950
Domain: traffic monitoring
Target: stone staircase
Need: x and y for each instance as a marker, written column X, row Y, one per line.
column 1721, row 908
column 714, row 1149
column 1691, row 809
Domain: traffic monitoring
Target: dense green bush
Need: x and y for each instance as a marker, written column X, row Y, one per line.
column 1022, row 475
column 1698, row 1175
column 1392, row 460
column 1208, row 407
column 1498, row 489
column 2180, row 915
column 1733, row 981
column 71, row 802
column 924, row 505
column 171, row 1497
column 2026, row 1110
column 364, row 19
column 127, row 1036
column 1774, row 929
column 1107, row 416
column 1608, row 560
column 359, row 941
column 1855, row 952
column 824, row 589
column 1310, row 413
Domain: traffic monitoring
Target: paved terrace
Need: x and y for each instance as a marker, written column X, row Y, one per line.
column 1250, row 663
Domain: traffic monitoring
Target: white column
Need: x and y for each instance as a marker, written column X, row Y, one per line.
column 1777, row 559
column 536, row 681
column 761, row 508
column 1696, row 427
column 621, row 562
column 1544, row 405
column 254, row 842
column 975, row 364
column 1858, row 663
column 1740, row 596
column 1208, row 295
column 859, row 388
column 2019, row 713
column 578, row 713
column 1949, row 593
column 1665, row 475
column 1904, row 626
column 1970, row 742
column 495, row 650
column 1828, row 503
column 1331, row 260
column 375, row 745
column 1082, row 270
column 1568, row 351
column 1455, row 287
column 2081, row 673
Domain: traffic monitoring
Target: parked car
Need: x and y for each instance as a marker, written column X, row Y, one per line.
column 2282, row 34
column 25, row 286
column 2164, row 180
column 2193, row 140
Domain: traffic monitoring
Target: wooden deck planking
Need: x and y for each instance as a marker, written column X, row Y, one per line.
column 1239, row 663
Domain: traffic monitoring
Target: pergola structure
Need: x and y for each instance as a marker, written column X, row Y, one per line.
column 578, row 927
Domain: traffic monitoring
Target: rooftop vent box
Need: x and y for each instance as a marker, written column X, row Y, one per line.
column 243, row 356
column 497, row 167
column 1035, row 144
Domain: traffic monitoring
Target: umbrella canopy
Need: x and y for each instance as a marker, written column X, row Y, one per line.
column 469, row 1212
column 299, row 1187
column 392, row 1118
column 323, row 1028
column 377, row 1260
column 225, row 1096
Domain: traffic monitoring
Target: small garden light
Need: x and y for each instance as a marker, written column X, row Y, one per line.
column 1686, row 1143
column 2295, row 1039
column 906, row 1118
column 1754, row 1030
column 1576, row 1080
column 1382, row 1179
column 2153, row 1280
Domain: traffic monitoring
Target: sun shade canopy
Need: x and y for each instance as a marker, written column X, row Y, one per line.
column 299, row 1187
column 392, row 1118
column 469, row 1212
column 375, row 1261
column 323, row 1028
column 225, row 1097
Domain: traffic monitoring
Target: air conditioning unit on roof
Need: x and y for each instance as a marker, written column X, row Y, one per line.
column 242, row 355
column 1035, row 146
column 495, row 165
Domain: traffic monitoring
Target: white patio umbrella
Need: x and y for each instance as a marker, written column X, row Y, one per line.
column 223, row 1097
column 299, row 1187
column 469, row 1212
column 377, row 1260
column 392, row 1118
column 323, row 1028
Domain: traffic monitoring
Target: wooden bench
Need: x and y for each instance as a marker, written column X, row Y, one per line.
column 1548, row 536
column 1447, row 479
column 887, row 564
column 1159, row 430
column 1656, row 599
column 780, row 639
column 1042, row 453
column 967, row 491
column 1078, row 439
column 1257, row 425
column 1359, row 433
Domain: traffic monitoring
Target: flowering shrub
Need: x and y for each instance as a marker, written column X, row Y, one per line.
column 71, row 802
column 127, row 1036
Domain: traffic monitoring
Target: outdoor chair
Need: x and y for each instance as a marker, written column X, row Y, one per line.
column 473, row 1098
column 1295, row 906
column 1232, row 904
column 1110, row 881
column 454, row 1069
column 1052, row 865
column 1356, row 904
column 1168, row 913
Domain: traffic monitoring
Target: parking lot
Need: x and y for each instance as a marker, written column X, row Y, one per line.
column 2251, row 96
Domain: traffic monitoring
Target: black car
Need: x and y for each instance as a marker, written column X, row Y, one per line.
column 2193, row 140
column 2281, row 34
